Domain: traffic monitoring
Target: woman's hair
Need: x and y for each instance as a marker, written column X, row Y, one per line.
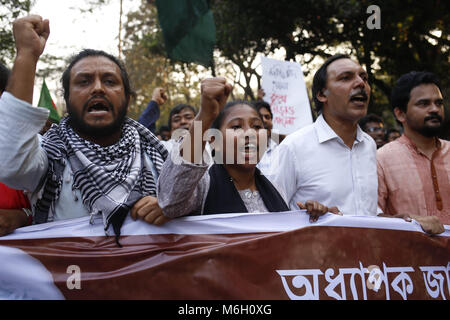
column 219, row 120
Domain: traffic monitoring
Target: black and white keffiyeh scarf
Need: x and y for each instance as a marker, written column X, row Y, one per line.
column 111, row 179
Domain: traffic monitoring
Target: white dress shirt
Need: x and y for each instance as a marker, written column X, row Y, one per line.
column 266, row 160
column 314, row 163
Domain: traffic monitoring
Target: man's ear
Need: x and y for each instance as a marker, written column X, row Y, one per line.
column 322, row 95
column 399, row 114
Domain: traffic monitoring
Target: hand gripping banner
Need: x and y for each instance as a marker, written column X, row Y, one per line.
column 236, row 256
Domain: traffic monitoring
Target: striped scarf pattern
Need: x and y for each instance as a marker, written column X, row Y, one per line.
column 110, row 179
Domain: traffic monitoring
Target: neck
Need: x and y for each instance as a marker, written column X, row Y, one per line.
column 345, row 129
column 243, row 178
column 103, row 141
column 426, row 145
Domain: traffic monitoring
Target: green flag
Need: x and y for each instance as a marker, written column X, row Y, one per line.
column 46, row 101
column 188, row 29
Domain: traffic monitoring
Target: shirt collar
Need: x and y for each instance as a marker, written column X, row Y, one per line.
column 325, row 132
column 409, row 143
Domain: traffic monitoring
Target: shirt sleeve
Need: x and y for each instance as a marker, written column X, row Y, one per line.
column 150, row 115
column 182, row 186
column 23, row 162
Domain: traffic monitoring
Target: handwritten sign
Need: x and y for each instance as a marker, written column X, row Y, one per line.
column 285, row 91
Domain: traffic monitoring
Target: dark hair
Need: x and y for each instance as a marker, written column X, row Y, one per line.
column 389, row 131
column 65, row 79
column 259, row 104
column 164, row 128
column 177, row 109
column 4, row 76
column 369, row 118
column 219, row 119
column 401, row 93
column 320, row 79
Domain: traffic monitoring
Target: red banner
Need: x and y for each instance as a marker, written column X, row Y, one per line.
column 267, row 256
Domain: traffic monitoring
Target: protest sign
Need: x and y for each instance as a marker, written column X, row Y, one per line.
column 285, row 91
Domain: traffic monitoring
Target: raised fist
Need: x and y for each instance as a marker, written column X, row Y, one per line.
column 31, row 34
column 159, row 96
column 214, row 95
column 260, row 94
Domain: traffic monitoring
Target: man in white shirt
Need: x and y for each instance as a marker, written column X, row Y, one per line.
column 332, row 161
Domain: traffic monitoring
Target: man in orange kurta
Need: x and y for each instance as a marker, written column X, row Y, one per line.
column 414, row 170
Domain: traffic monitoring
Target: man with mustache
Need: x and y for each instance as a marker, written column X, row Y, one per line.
column 414, row 170
column 332, row 161
column 97, row 161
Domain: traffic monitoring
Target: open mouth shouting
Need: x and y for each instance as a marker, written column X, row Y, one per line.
column 249, row 152
column 360, row 97
column 98, row 106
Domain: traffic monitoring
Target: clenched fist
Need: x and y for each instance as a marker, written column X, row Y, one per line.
column 159, row 96
column 214, row 95
column 31, row 34
column 147, row 209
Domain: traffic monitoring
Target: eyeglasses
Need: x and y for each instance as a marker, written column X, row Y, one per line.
column 375, row 129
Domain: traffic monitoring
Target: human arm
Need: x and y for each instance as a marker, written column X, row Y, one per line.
column 429, row 224
column 260, row 94
column 151, row 114
column 30, row 34
column 315, row 209
column 214, row 95
column 22, row 161
column 183, row 181
column 182, row 186
column 11, row 219
column 148, row 210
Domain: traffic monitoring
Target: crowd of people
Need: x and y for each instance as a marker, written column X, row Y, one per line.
column 222, row 158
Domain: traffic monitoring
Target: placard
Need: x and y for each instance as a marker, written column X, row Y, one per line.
column 285, row 91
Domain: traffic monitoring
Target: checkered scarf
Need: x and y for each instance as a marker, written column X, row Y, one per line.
column 110, row 179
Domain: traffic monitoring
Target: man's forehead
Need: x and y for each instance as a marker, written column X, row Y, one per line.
column 93, row 64
column 264, row 110
column 344, row 65
column 425, row 90
column 184, row 111
column 374, row 124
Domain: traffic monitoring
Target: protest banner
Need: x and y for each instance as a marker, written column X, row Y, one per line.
column 236, row 256
column 285, row 91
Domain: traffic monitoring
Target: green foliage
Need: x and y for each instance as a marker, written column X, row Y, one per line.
column 149, row 67
column 414, row 35
column 10, row 10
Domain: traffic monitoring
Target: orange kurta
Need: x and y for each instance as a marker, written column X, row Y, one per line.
column 409, row 182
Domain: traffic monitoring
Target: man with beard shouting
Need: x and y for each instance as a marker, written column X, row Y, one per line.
column 96, row 161
column 414, row 170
